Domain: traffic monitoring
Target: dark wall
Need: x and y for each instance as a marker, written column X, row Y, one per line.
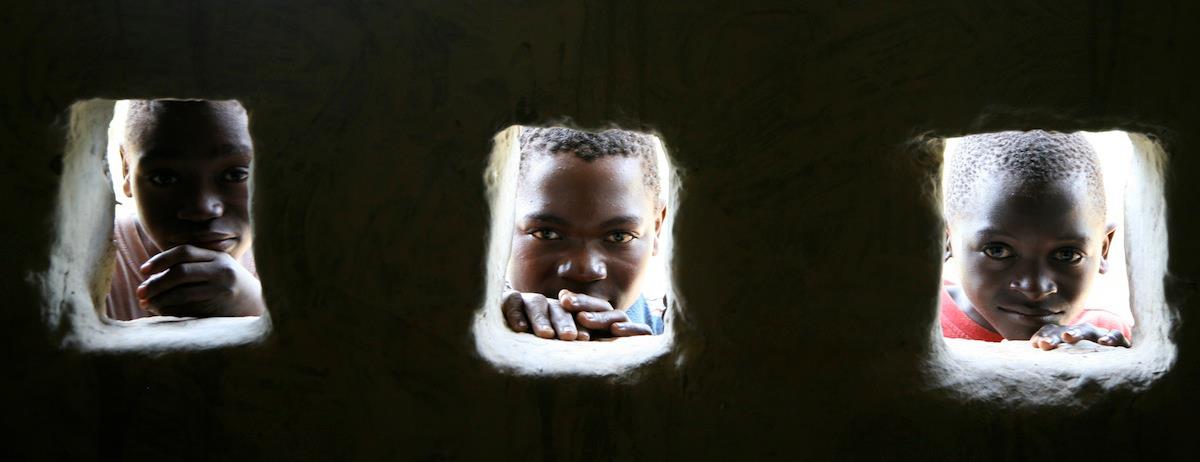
column 807, row 247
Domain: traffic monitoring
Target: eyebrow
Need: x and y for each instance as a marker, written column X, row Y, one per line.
column 546, row 218
column 557, row 220
column 993, row 231
column 633, row 220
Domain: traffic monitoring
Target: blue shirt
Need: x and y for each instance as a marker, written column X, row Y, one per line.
column 640, row 312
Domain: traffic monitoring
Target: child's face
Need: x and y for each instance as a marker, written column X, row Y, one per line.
column 589, row 227
column 188, row 173
column 1029, row 256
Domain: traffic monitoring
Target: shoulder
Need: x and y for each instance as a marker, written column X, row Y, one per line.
column 955, row 323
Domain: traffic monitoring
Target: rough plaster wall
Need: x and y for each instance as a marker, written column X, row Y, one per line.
column 805, row 249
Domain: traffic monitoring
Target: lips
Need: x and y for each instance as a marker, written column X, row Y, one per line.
column 220, row 242
column 1033, row 314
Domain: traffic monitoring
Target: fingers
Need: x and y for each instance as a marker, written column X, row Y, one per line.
column 1047, row 338
column 1077, row 333
column 600, row 320
column 183, row 300
column 545, row 317
column 175, row 256
column 183, row 273
column 1114, row 338
column 571, row 317
column 564, row 325
column 577, row 302
column 537, row 310
column 1046, row 343
column 513, row 307
column 629, row 329
column 1052, row 336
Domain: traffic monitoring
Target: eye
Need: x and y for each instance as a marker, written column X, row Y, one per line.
column 545, row 234
column 163, row 178
column 1068, row 255
column 620, row 237
column 997, row 251
column 235, row 175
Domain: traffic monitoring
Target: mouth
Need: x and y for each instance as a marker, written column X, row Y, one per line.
column 1033, row 315
column 219, row 242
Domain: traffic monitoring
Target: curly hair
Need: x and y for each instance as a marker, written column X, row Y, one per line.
column 1036, row 158
column 591, row 146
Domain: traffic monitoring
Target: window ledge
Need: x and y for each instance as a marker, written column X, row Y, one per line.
column 529, row 355
column 164, row 334
column 1016, row 374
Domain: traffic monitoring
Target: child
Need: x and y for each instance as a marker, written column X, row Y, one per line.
column 186, row 252
column 589, row 213
column 1026, row 215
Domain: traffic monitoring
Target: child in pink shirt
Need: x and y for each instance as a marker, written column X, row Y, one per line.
column 186, row 164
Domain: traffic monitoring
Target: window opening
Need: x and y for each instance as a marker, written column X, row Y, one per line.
column 1108, row 290
column 1020, row 249
column 179, row 273
column 580, row 251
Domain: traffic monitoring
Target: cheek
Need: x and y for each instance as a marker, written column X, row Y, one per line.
column 984, row 271
column 982, row 278
column 1074, row 282
column 154, row 204
column 234, row 195
column 530, row 262
column 627, row 265
column 237, row 205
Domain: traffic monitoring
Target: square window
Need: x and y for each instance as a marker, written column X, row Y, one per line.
column 77, row 284
column 568, row 244
column 1015, row 372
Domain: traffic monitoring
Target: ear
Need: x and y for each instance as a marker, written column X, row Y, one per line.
column 125, row 186
column 1109, row 233
column 946, row 251
column 658, row 224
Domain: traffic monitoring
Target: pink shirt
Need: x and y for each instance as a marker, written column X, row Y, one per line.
column 134, row 248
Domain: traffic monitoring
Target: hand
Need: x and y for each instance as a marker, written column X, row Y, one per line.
column 196, row 282
column 544, row 317
column 598, row 315
column 1051, row 336
column 572, row 316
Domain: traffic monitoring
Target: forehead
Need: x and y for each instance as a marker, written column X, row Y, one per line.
column 567, row 183
column 1056, row 209
column 189, row 130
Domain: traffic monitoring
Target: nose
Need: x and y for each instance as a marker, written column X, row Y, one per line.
column 1033, row 283
column 202, row 205
column 583, row 264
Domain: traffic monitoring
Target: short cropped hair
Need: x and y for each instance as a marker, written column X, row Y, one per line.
column 144, row 112
column 1032, row 158
column 591, row 146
